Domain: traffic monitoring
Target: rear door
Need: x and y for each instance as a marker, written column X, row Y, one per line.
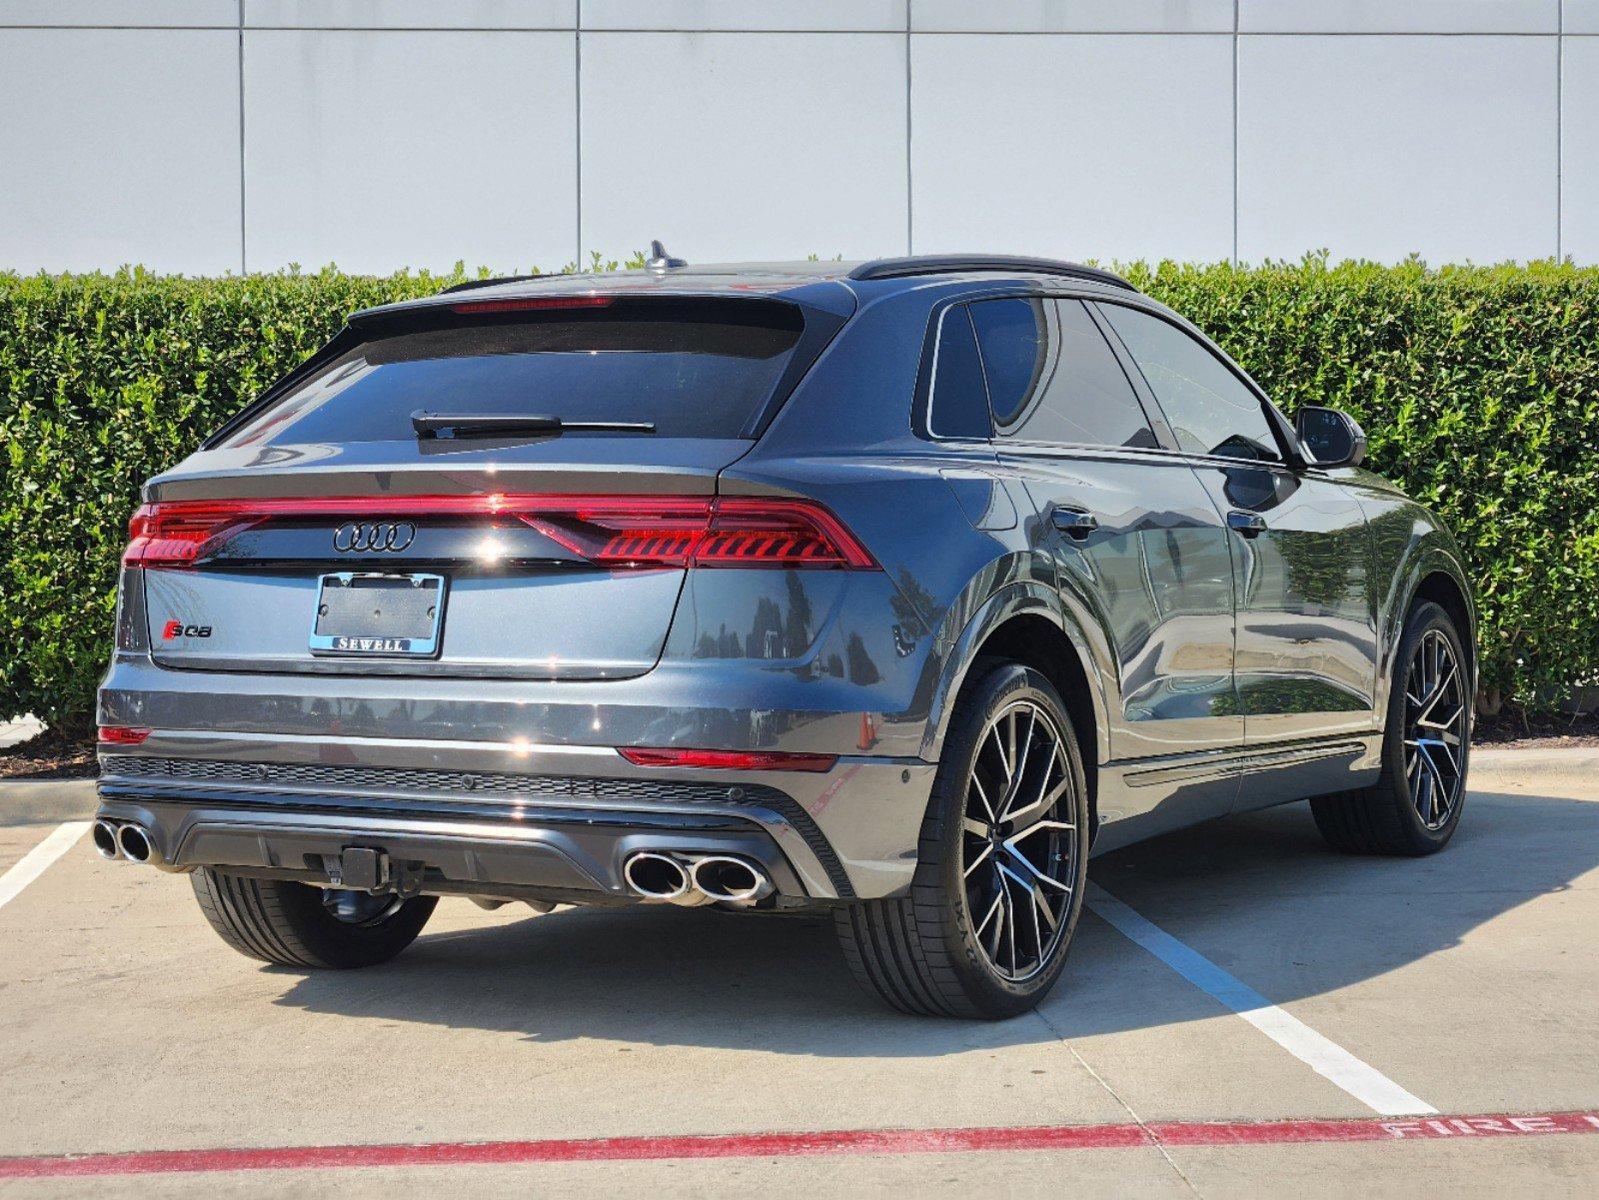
column 1137, row 542
column 326, row 533
column 1307, row 649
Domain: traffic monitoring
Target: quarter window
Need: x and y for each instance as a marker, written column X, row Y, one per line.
column 1210, row 409
column 1053, row 379
column 959, row 406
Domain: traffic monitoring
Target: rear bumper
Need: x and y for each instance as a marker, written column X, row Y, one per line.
column 510, row 820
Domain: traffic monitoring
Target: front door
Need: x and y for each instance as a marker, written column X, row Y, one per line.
column 1306, row 660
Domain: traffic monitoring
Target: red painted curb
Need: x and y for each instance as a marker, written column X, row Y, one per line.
column 786, row 1145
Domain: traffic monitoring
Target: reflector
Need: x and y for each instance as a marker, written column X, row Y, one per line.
column 728, row 760
column 121, row 735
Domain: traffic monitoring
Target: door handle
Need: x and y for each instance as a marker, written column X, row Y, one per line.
column 1074, row 522
column 1247, row 523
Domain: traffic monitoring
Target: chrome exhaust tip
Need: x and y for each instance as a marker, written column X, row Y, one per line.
column 730, row 880
column 105, row 840
column 657, row 877
column 134, row 843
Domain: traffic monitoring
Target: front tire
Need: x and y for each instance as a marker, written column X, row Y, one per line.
column 296, row 925
column 1415, row 805
column 1002, row 862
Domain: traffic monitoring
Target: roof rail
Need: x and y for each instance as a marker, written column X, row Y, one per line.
column 945, row 264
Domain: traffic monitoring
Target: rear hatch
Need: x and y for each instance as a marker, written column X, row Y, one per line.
column 509, row 488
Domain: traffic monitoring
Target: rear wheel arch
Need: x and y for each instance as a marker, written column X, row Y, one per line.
column 1023, row 624
column 1035, row 641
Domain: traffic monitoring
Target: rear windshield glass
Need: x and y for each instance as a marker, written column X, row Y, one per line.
column 695, row 369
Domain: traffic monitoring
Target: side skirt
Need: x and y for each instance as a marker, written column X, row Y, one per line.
column 1141, row 798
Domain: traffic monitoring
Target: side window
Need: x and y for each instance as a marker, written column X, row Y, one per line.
column 1210, row 409
column 958, row 407
column 1052, row 378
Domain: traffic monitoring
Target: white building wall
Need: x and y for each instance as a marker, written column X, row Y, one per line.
column 213, row 135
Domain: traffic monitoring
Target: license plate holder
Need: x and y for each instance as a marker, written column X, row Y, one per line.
column 371, row 614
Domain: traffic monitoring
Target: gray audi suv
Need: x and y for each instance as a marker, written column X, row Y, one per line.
column 892, row 590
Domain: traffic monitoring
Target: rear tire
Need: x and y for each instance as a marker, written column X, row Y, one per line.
column 287, row 923
column 937, row 951
column 1393, row 816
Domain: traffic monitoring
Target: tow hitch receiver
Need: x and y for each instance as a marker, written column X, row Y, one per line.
column 358, row 868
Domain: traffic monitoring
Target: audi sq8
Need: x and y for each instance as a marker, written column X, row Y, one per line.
column 889, row 590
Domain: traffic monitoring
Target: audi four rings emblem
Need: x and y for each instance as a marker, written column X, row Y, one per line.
column 356, row 536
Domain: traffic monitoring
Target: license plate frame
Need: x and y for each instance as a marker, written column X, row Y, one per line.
column 417, row 638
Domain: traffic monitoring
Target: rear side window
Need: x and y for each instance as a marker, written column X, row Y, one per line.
column 1210, row 409
column 695, row 368
column 1053, row 379
column 959, row 407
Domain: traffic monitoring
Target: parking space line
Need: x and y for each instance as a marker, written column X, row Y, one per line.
column 798, row 1145
column 1328, row 1059
column 36, row 861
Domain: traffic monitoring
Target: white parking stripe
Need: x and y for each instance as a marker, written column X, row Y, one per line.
column 36, row 861
column 1361, row 1080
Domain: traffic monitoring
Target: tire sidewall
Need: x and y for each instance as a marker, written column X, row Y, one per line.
column 1000, row 686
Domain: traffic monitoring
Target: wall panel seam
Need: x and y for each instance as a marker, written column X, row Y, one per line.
column 1236, row 4
column 1560, row 136
column 244, row 242
column 910, row 194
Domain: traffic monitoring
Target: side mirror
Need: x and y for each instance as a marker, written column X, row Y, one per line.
column 1331, row 438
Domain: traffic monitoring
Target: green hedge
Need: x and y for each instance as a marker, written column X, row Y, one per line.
column 1479, row 388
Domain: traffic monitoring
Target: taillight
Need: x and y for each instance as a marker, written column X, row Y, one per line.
column 176, row 535
column 729, row 760
column 121, row 735
column 609, row 531
column 622, row 531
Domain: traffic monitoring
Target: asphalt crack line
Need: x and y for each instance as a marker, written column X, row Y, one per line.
column 1116, row 1096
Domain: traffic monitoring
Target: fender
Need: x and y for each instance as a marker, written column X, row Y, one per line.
column 1431, row 550
column 1017, row 598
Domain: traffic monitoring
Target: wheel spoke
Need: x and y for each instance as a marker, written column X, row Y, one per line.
column 1439, row 793
column 1021, row 763
column 1038, row 932
column 1047, row 798
column 974, row 827
column 998, row 742
column 1032, row 868
column 1041, row 903
column 1010, row 920
column 989, row 916
column 1437, row 694
column 1423, row 790
column 988, row 848
column 982, row 794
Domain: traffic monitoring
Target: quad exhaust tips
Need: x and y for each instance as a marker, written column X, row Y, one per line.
column 128, row 842
column 688, row 880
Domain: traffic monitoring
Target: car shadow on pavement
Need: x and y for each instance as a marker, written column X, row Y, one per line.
column 1258, row 894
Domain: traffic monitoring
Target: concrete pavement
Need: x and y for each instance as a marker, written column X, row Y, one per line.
column 1467, row 979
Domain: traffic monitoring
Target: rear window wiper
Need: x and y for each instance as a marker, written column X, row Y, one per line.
column 465, row 425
